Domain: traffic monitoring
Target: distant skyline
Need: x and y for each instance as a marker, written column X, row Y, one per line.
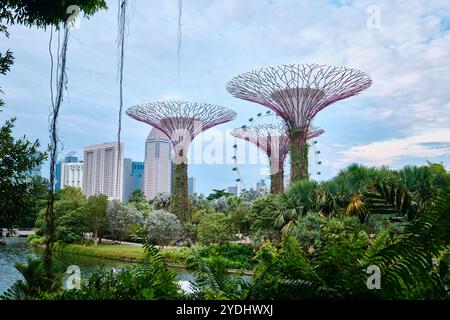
column 404, row 118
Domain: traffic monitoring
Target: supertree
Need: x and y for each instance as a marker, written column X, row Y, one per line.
column 181, row 121
column 297, row 92
column 273, row 140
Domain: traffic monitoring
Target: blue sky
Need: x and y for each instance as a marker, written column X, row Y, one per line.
column 404, row 118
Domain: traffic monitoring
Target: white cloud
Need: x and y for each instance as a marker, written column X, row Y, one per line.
column 387, row 152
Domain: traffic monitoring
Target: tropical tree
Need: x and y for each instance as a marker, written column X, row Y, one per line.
column 95, row 209
column 17, row 190
column 162, row 227
column 161, row 201
column 296, row 202
column 121, row 218
column 215, row 228
column 218, row 193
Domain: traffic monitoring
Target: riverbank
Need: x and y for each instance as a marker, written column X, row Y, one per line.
column 173, row 257
column 124, row 252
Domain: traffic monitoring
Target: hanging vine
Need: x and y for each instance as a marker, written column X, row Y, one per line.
column 56, row 102
column 121, row 22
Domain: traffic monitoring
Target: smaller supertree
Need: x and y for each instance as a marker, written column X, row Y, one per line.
column 297, row 93
column 181, row 122
column 274, row 141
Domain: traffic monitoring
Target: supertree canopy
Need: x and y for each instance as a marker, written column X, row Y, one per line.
column 273, row 140
column 181, row 121
column 297, row 93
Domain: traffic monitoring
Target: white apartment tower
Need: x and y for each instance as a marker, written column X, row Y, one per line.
column 100, row 170
column 71, row 174
column 157, row 164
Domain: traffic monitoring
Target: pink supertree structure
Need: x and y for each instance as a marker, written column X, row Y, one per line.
column 297, row 92
column 181, row 121
column 273, row 140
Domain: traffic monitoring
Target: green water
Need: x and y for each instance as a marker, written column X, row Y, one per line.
column 17, row 250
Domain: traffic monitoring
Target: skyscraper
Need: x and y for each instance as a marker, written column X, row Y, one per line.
column 36, row 171
column 58, row 174
column 157, row 164
column 234, row 190
column 100, row 170
column 191, row 185
column 71, row 174
column 133, row 178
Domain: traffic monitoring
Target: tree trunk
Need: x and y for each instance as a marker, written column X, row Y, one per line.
column 277, row 182
column 179, row 203
column 299, row 155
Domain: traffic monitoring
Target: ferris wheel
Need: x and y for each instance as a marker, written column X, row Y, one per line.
column 269, row 117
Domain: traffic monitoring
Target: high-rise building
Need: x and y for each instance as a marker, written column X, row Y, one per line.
column 234, row 190
column 133, row 177
column 58, row 173
column 261, row 186
column 100, row 175
column 157, row 164
column 36, row 171
column 71, row 174
column 191, row 185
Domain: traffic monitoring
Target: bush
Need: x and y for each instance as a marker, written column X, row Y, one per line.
column 262, row 217
column 230, row 255
column 35, row 240
column 161, row 201
column 71, row 226
column 162, row 227
column 121, row 218
column 215, row 228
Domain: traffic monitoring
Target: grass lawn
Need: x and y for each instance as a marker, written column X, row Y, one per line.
column 124, row 252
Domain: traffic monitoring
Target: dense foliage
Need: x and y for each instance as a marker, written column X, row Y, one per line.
column 162, row 227
column 314, row 241
column 19, row 194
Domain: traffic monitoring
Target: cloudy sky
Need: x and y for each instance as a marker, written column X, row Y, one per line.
column 404, row 118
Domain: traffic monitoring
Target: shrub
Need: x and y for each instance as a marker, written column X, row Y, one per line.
column 215, row 228
column 121, row 218
column 162, row 227
column 230, row 255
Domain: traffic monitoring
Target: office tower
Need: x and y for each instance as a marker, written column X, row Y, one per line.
column 157, row 164
column 100, row 165
column 36, row 171
column 58, row 173
column 133, row 177
column 191, row 185
column 71, row 174
column 127, row 179
column 234, row 190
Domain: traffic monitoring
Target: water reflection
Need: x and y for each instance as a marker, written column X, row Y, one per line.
column 17, row 250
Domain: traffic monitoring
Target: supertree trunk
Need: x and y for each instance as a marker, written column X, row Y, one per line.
column 277, row 182
column 179, row 204
column 274, row 140
column 299, row 156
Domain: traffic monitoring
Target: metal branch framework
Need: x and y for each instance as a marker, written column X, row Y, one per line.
column 274, row 141
column 181, row 122
column 172, row 116
column 297, row 92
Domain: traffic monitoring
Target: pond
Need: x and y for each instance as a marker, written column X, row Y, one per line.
column 17, row 250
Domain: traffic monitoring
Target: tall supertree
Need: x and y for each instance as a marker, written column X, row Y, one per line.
column 181, row 121
column 297, row 92
column 273, row 140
